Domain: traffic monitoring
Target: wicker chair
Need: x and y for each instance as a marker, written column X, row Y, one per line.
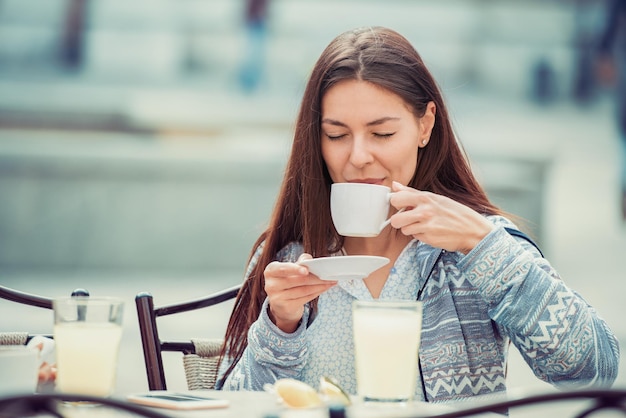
column 200, row 356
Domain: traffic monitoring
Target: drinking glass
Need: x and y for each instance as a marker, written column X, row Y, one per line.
column 386, row 343
column 87, row 333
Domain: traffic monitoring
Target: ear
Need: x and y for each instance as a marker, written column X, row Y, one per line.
column 427, row 122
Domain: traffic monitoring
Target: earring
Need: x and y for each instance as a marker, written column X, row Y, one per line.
column 425, row 141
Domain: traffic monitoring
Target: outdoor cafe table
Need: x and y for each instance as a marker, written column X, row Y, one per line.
column 264, row 405
column 248, row 404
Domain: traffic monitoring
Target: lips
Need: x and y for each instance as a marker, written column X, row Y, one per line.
column 367, row 181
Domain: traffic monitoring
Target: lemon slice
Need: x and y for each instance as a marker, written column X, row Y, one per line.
column 297, row 394
column 332, row 392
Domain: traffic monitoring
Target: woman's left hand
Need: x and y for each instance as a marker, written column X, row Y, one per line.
column 437, row 220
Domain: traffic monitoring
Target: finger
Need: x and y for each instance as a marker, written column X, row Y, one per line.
column 316, row 287
column 408, row 198
column 412, row 230
column 46, row 373
column 415, row 218
column 314, row 290
column 303, row 294
column 293, row 280
column 304, row 256
column 290, row 285
column 277, row 269
column 397, row 186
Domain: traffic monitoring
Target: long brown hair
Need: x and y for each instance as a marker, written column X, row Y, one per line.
column 385, row 58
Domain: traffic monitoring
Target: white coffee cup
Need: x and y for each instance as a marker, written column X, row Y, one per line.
column 359, row 209
column 19, row 369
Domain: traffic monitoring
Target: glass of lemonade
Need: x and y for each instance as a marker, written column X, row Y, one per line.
column 87, row 334
column 386, row 343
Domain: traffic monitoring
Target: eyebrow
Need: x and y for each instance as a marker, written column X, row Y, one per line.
column 372, row 123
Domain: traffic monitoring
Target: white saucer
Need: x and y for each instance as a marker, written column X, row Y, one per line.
column 344, row 267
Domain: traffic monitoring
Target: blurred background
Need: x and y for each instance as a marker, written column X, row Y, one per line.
column 142, row 142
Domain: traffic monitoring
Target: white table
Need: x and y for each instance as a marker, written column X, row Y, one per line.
column 264, row 405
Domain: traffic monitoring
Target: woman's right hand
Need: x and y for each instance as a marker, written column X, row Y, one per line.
column 290, row 286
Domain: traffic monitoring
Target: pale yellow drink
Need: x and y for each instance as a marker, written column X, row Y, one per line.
column 386, row 343
column 86, row 355
column 87, row 334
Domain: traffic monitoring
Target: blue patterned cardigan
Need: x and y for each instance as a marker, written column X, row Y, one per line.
column 474, row 305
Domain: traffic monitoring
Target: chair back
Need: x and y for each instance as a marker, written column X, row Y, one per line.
column 200, row 355
column 54, row 404
column 20, row 337
column 601, row 402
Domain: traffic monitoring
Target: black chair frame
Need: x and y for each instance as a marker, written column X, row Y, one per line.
column 153, row 346
column 603, row 399
column 31, row 299
column 48, row 403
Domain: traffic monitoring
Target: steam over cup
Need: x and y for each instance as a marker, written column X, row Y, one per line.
column 359, row 209
column 87, row 333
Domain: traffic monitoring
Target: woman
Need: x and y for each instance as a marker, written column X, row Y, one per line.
column 372, row 113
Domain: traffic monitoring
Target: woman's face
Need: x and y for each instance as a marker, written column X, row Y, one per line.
column 370, row 135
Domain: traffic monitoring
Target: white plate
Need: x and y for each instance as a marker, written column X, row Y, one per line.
column 344, row 267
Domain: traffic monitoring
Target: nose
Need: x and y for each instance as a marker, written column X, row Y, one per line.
column 360, row 154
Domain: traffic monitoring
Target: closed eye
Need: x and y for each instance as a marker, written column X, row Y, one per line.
column 335, row 137
column 384, row 135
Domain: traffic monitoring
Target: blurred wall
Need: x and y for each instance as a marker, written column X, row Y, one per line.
column 128, row 155
column 495, row 44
